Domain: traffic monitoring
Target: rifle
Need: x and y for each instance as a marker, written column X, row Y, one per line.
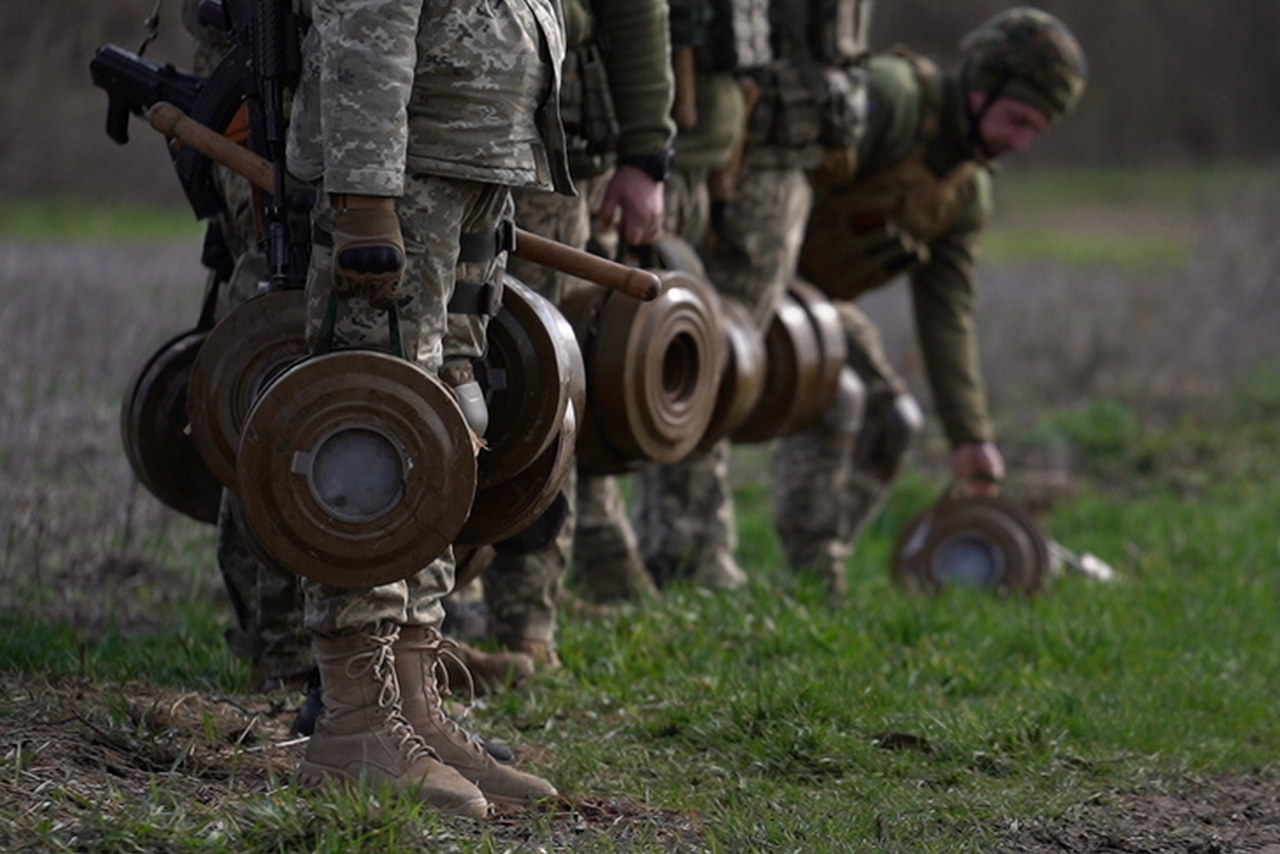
column 254, row 74
column 133, row 84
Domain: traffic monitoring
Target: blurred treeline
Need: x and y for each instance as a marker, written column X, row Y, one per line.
column 1172, row 83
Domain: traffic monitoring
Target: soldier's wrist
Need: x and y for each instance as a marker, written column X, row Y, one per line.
column 656, row 164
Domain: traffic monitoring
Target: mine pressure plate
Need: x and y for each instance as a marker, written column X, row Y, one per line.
column 356, row 468
column 974, row 541
column 247, row 349
column 153, row 426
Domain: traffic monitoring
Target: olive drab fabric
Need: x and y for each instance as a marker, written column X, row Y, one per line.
column 918, row 188
column 866, row 233
column 1027, row 54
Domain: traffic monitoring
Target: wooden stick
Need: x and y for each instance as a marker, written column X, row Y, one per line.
column 632, row 281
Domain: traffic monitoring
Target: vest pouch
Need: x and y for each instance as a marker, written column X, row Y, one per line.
column 788, row 114
column 867, row 250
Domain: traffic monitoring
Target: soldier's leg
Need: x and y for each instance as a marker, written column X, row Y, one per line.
column 685, row 515
column 606, row 554
column 522, row 586
column 830, row 480
column 750, row 256
column 267, row 602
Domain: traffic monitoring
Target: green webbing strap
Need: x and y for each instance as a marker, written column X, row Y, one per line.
column 324, row 344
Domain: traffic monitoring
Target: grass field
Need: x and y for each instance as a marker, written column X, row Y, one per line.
column 1135, row 716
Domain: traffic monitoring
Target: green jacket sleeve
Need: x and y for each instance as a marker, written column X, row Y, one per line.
column 945, row 300
column 634, row 40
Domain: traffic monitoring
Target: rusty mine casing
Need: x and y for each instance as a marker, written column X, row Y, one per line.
column 653, row 370
column 974, row 541
column 356, row 468
column 742, row 377
column 153, row 427
column 247, row 349
column 535, row 389
column 804, row 353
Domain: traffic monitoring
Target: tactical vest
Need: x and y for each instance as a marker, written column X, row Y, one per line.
column 864, row 234
column 734, row 34
column 811, row 94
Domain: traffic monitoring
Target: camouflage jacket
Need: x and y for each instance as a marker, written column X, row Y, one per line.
column 943, row 292
column 460, row 89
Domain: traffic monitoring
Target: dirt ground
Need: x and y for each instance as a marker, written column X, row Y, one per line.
column 77, row 752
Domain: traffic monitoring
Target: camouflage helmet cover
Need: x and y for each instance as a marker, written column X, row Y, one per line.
column 1031, row 54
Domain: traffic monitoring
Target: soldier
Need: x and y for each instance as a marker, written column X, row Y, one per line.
column 799, row 61
column 616, row 103
column 266, row 599
column 428, row 116
column 916, row 205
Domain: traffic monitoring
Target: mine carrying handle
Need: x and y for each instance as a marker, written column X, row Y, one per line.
column 632, row 281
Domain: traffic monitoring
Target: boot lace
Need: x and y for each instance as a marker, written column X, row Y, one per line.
column 379, row 660
column 435, row 646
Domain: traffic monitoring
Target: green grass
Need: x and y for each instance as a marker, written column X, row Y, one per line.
column 53, row 220
column 787, row 721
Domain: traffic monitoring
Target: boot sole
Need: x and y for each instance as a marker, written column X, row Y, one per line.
column 314, row 776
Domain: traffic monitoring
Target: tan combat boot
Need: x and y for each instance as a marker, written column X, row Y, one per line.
column 418, row 656
column 487, row 672
column 363, row 735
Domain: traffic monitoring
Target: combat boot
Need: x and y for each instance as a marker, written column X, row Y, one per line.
column 363, row 735
column 418, row 664
column 487, row 672
column 722, row 572
column 619, row 577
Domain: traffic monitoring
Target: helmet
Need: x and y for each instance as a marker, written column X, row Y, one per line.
column 1027, row 54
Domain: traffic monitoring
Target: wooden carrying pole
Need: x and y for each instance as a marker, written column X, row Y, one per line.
column 632, row 281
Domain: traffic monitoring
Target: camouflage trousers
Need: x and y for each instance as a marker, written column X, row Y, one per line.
column 684, row 511
column 830, row 479
column 434, row 212
column 522, row 589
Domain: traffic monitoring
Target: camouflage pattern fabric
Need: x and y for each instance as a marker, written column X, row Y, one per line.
column 433, row 212
column 470, row 94
column 522, row 589
column 827, row 483
column 685, row 510
column 266, row 599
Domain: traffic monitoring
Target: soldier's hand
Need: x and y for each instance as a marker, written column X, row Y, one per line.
column 368, row 249
column 634, row 204
column 977, row 468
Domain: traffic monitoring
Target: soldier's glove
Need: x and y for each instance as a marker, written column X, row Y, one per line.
column 368, row 250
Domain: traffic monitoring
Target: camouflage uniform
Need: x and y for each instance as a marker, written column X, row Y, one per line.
column 421, row 104
column 923, row 191
column 629, row 40
column 687, row 515
column 266, row 599
column 684, row 518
